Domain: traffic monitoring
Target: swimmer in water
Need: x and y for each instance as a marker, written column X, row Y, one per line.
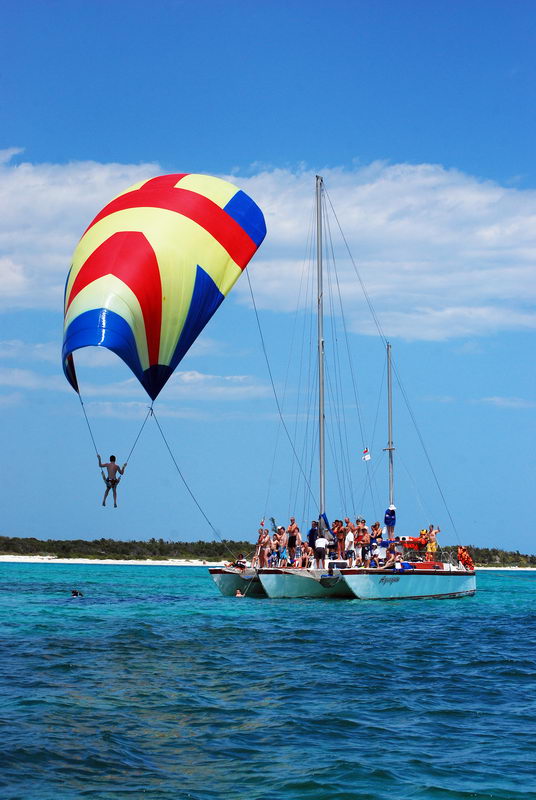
column 76, row 593
column 238, row 593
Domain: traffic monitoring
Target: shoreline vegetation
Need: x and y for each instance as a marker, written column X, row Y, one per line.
column 160, row 552
column 156, row 550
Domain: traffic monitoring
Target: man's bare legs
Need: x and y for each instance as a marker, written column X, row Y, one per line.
column 107, row 492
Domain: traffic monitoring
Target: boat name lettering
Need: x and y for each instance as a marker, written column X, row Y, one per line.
column 390, row 579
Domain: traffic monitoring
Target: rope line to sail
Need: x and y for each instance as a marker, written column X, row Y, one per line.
column 187, row 487
column 425, row 451
column 334, row 432
column 403, row 392
column 304, row 281
column 341, row 391
column 350, row 360
column 380, row 393
column 335, row 394
column 93, row 438
column 424, row 509
column 306, row 396
column 363, row 288
column 149, row 412
column 87, row 423
column 303, row 352
column 275, row 393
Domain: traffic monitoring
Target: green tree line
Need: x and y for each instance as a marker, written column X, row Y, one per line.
column 158, row 549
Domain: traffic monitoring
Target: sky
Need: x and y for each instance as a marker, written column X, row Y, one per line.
column 421, row 118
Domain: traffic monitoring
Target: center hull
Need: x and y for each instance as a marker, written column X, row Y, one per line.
column 281, row 583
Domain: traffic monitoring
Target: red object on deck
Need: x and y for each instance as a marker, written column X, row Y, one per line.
column 428, row 564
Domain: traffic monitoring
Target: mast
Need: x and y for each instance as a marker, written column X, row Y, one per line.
column 320, row 313
column 390, row 448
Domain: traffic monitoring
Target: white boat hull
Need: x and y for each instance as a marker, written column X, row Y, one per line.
column 228, row 580
column 409, row 584
column 281, row 583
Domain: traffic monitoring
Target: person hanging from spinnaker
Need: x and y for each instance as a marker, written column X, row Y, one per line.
column 151, row 270
column 113, row 478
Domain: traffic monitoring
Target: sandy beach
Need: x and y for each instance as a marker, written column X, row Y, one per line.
column 172, row 562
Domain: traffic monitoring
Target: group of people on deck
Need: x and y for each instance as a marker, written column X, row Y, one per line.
column 355, row 543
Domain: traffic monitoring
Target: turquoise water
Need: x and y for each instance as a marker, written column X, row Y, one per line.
column 154, row 685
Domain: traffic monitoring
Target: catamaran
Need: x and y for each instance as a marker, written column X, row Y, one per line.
column 407, row 578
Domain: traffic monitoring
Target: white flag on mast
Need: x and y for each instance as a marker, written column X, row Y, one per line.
column 366, row 455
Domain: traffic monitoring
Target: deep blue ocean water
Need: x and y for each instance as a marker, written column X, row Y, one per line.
column 155, row 686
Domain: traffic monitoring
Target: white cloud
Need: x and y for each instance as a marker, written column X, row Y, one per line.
column 14, row 282
column 118, row 410
column 440, row 398
column 508, row 402
column 190, row 385
column 11, row 399
column 87, row 357
column 8, row 153
column 44, row 209
column 205, row 346
column 133, row 410
column 95, row 357
column 442, row 254
column 201, row 386
column 24, row 351
column 25, row 379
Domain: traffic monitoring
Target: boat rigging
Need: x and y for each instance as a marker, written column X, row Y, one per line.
column 399, row 578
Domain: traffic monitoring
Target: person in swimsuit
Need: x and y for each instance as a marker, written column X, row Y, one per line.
column 307, row 555
column 259, row 559
column 391, row 557
column 283, row 552
column 340, row 534
column 431, row 547
column 291, row 544
column 299, row 550
column 114, row 470
column 365, row 546
column 265, row 549
column 294, row 539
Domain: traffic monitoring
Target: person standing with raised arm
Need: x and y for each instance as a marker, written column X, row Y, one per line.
column 112, row 480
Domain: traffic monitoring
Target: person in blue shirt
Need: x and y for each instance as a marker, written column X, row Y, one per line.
column 312, row 534
column 390, row 520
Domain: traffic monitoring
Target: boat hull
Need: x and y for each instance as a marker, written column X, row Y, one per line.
column 228, row 580
column 409, row 584
column 286, row 583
